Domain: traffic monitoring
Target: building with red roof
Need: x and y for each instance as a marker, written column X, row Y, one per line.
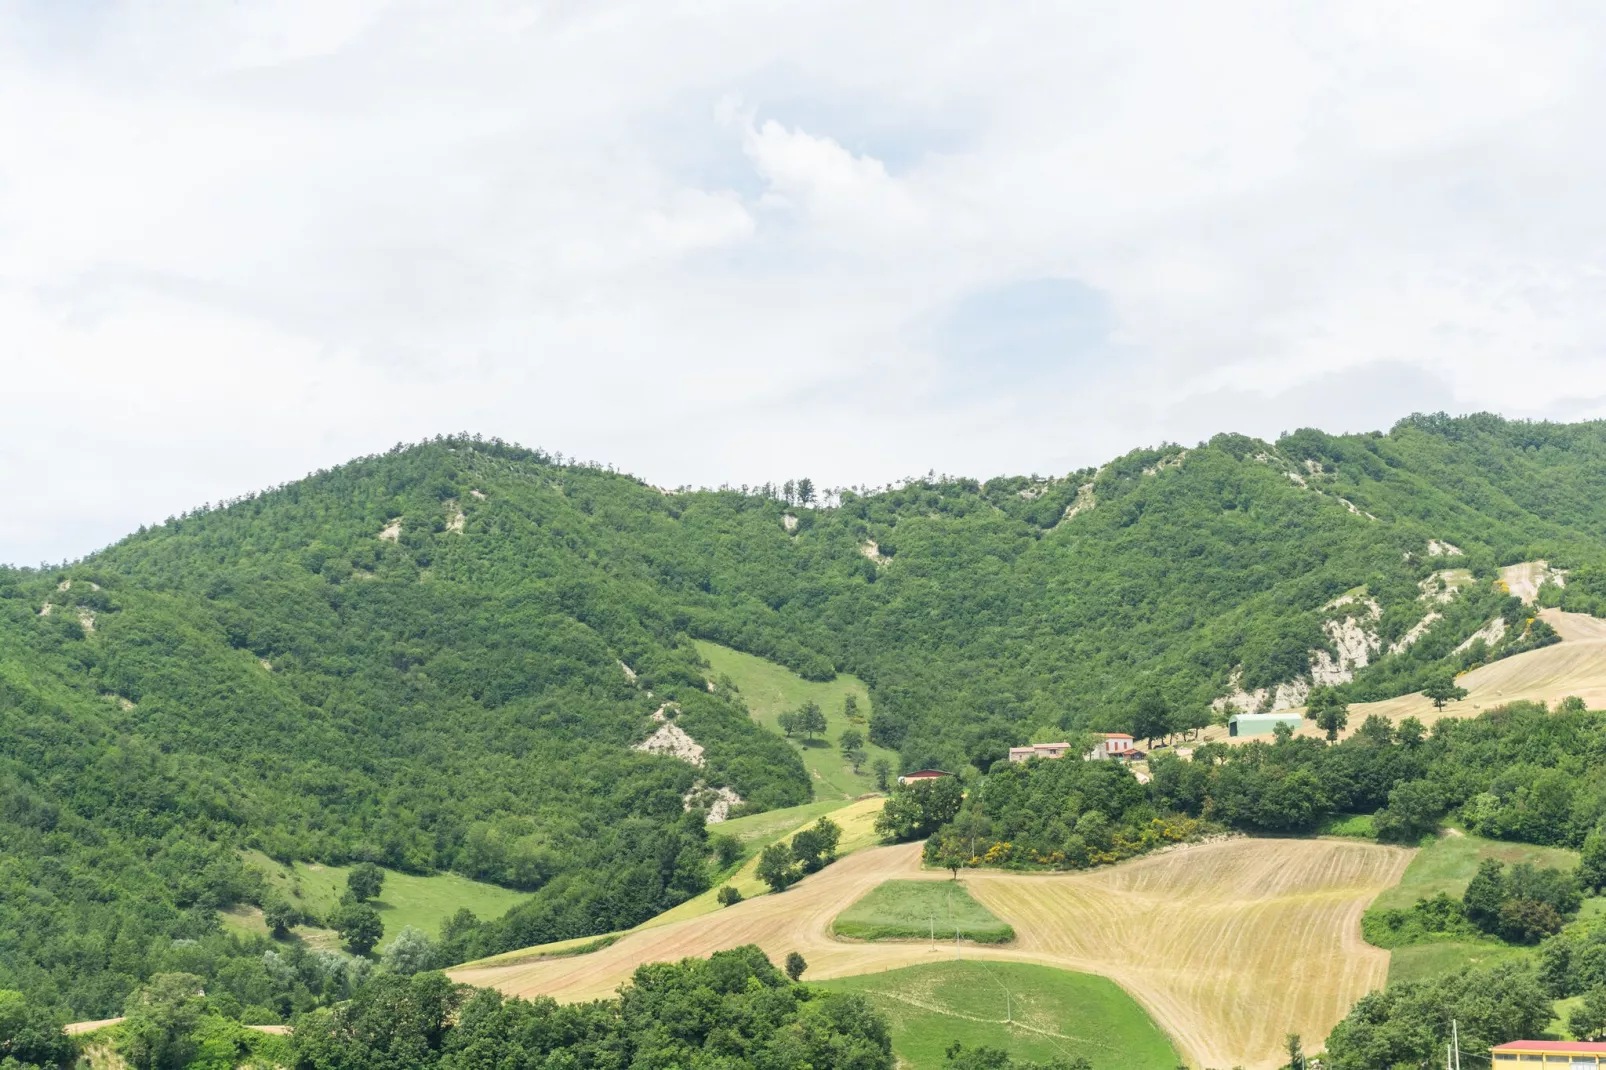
column 1543, row 1054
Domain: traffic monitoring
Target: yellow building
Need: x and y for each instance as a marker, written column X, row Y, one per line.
column 1545, row 1054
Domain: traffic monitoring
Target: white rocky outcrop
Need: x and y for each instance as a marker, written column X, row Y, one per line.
column 671, row 741
column 454, row 517
column 630, row 674
column 391, row 531
column 1173, row 461
column 789, row 522
column 717, row 801
column 1285, row 696
column 1490, row 633
column 1083, row 503
column 1443, row 549
column 872, row 549
column 1418, row 630
column 1355, row 644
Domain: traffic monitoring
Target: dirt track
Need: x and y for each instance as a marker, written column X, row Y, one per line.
column 1228, row 945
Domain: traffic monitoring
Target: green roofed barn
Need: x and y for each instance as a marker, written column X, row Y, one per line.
column 1260, row 724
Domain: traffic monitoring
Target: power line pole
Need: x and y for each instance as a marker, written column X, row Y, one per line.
column 1455, row 1041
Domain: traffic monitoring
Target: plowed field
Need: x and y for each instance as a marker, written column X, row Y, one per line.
column 1228, row 945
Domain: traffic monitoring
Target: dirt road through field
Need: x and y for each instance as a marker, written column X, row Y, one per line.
column 1229, row 945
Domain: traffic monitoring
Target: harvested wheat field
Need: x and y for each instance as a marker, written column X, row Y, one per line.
column 1574, row 666
column 1229, row 945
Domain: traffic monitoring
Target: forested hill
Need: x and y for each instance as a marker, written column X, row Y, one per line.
column 421, row 658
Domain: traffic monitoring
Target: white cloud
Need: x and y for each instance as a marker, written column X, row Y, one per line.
column 722, row 240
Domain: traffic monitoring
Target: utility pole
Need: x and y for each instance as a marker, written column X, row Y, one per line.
column 959, row 952
column 1455, row 1038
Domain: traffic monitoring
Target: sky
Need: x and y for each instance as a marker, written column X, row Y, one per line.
column 733, row 241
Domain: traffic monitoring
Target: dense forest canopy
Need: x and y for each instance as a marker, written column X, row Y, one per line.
column 440, row 658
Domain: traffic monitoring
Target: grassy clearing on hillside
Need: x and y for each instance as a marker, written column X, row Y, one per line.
column 903, row 910
column 422, row 902
column 770, row 689
column 1423, row 962
column 1056, row 1014
column 1447, row 865
column 758, row 831
column 1449, row 862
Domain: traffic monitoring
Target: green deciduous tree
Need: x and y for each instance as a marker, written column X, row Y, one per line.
column 1442, row 689
column 1588, row 1019
column 777, row 868
column 1329, row 710
column 358, row 924
column 917, row 809
column 795, row 965
column 365, row 881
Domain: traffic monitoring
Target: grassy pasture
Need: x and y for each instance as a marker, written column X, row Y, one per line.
column 770, row 689
column 1036, row 1013
column 1447, row 865
column 906, row 910
column 1449, row 862
column 422, row 902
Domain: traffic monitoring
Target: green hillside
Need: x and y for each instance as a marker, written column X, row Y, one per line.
column 768, row 690
column 1035, row 1013
column 440, row 659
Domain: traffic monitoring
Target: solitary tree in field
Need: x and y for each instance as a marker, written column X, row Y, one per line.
column 811, row 719
column 1296, row 1051
column 365, row 881
column 1329, row 710
column 883, row 773
column 795, row 965
column 279, row 915
column 788, row 721
column 1442, row 689
column 851, row 739
column 850, row 709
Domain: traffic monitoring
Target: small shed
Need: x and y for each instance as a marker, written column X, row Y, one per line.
column 1261, row 724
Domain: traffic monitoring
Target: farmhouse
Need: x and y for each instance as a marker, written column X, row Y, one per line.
column 920, row 775
column 1111, row 745
column 1038, row 750
column 1573, row 1054
column 1259, row 724
column 1114, row 745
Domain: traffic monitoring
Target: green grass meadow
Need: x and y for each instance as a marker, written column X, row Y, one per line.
column 908, row 910
column 1450, row 861
column 770, row 689
column 422, row 902
column 1035, row 1013
column 1447, row 865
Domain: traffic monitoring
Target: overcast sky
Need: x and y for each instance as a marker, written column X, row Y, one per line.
column 712, row 241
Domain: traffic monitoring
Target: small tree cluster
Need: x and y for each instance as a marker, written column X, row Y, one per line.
column 781, row 864
column 807, row 720
column 1524, row 904
column 917, row 810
